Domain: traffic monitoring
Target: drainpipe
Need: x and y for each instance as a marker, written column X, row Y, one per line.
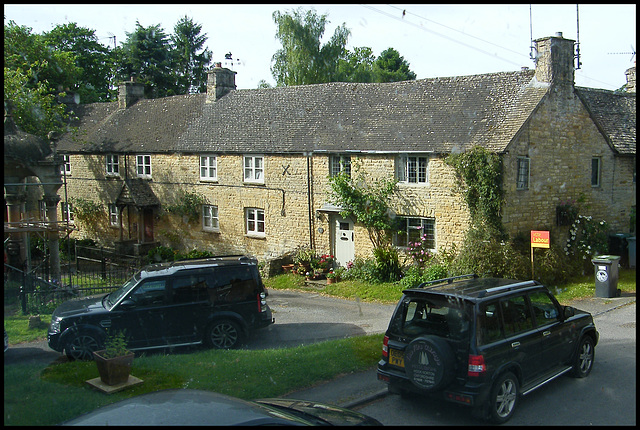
column 309, row 201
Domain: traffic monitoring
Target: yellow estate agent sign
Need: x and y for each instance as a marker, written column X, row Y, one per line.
column 539, row 239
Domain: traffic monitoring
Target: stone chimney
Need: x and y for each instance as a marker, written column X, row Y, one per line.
column 129, row 92
column 220, row 82
column 631, row 79
column 555, row 61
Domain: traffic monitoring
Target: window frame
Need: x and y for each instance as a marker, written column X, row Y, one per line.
column 404, row 170
column 596, row 176
column 112, row 164
column 255, row 231
column 252, row 169
column 424, row 222
column 211, row 218
column 144, row 166
column 65, row 167
column 522, row 183
column 64, row 207
column 114, row 216
column 209, row 167
column 339, row 163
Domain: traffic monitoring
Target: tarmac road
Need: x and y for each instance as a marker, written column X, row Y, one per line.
column 301, row 318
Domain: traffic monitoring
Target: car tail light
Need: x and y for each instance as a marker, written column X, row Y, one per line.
column 476, row 365
column 385, row 347
column 262, row 302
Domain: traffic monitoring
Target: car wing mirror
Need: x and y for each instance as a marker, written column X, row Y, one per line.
column 127, row 304
column 568, row 312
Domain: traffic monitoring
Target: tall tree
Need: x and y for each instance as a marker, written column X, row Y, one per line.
column 390, row 66
column 302, row 60
column 26, row 51
column 147, row 54
column 34, row 74
column 189, row 56
column 356, row 66
column 94, row 60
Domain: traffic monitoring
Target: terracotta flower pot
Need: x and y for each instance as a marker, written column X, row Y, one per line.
column 115, row 370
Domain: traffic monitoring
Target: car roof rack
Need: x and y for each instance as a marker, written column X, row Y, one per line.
column 450, row 280
column 238, row 256
column 505, row 288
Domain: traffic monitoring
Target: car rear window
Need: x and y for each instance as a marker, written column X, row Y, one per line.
column 437, row 316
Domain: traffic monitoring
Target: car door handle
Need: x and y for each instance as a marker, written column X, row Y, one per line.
column 515, row 344
column 546, row 333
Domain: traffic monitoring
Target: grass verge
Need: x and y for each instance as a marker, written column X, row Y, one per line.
column 60, row 392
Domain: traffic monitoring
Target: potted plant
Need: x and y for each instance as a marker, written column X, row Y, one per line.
column 334, row 275
column 303, row 257
column 114, row 362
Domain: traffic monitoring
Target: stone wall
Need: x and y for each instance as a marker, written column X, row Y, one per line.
column 560, row 140
column 284, row 197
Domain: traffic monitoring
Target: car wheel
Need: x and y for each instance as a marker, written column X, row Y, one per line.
column 429, row 363
column 82, row 346
column 503, row 398
column 224, row 334
column 583, row 362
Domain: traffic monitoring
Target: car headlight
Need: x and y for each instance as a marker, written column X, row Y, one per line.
column 54, row 327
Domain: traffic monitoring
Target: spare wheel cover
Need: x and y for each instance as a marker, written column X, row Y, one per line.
column 429, row 363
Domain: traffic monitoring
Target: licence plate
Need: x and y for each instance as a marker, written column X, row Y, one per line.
column 396, row 357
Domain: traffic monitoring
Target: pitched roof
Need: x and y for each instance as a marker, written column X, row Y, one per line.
column 615, row 115
column 147, row 126
column 427, row 115
column 137, row 192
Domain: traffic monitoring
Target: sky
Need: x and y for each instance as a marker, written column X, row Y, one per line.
column 436, row 40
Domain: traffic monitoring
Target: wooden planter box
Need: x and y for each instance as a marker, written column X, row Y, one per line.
column 115, row 370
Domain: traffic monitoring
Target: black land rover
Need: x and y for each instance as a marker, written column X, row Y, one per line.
column 483, row 342
column 215, row 301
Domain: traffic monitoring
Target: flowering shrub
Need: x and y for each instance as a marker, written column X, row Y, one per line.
column 419, row 251
column 324, row 261
column 587, row 238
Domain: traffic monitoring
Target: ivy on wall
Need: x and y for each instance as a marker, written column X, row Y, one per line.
column 189, row 205
column 86, row 210
column 479, row 174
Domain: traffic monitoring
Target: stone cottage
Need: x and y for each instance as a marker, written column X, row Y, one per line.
column 253, row 165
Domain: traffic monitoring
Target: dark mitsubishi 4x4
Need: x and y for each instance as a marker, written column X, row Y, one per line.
column 215, row 301
column 484, row 342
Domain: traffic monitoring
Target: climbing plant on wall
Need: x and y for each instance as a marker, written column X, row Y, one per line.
column 189, row 205
column 479, row 174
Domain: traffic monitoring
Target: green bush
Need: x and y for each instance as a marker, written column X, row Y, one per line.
column 161, row 254
column 485, row 254
column 194, row 253
column 361, row 270
column 553, row 267
column 387, row 267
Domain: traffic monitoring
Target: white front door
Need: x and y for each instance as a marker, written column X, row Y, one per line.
column 343, row 240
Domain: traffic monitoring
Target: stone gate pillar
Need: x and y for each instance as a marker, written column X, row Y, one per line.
column 53, row 238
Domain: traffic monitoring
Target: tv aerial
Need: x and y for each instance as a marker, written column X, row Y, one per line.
column 632, row 53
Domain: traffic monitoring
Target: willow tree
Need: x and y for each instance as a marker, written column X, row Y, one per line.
column 302, row 59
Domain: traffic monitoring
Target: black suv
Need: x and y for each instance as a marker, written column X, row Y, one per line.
column 215, row 301
column 483, row 342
